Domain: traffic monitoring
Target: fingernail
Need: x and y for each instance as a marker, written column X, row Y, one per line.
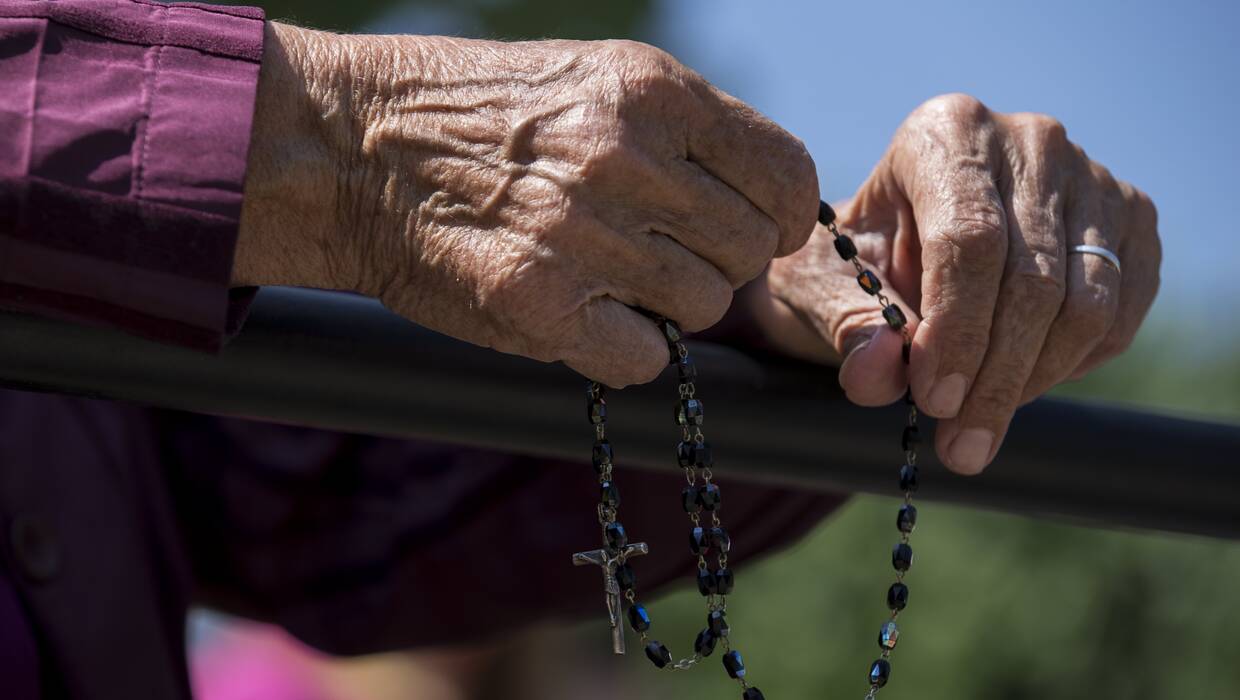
column 970, row 450
column 856, row 341
column 946, row 396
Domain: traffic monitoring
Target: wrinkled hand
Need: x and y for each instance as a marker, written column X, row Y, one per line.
column 968, row 218
column 522, row 196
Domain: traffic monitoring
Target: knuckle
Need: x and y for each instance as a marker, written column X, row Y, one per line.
column 1034, row 281
column 1143, row 207
column 1102, row 175
column 975, row 235
column 641, row 69
column 850, row 323
column 954, row 107
column 1043, row 131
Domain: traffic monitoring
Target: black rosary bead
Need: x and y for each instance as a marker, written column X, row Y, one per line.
column 869, row 282
column 684, row 454
column 639, row 619
column 686, row 368
column 897, row 596
column 658, row 654
column 734, row 664
column 601, row 455
column 911, row 438
column 717, row 623
column 894, row 316
column 888, row 635
column 617, row 538
column 880, row 671
column 689, row 412
column 690, row 500
column 707, row 583
column 703, row 456
column 711, row 497
column 625, row 577
column 901, row 556
column 845, row 247
column 908, row 477
column 752, row 694
column 698, row 542
column 719, row 540
column 906, row 519
column 826, row 215
column 596, row 410
column 671, row 332
column 609, row 494
column 704, row 645
column 724, row 581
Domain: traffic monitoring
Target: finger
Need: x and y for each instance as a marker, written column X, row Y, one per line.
column 1140, row 255
column 651, row 271
column 703, row 214
column 751, row 154
column 1092, row 297
column 963, row 229
column 671, row 281
column 1030, row 296
column 615, row 345
column 818, row 290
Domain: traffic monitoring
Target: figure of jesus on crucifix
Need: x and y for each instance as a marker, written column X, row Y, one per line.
column 610, row 560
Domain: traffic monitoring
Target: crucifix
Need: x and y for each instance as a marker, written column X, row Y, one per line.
column 609, row 562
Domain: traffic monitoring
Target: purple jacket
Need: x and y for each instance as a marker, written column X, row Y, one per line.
column 124, row 127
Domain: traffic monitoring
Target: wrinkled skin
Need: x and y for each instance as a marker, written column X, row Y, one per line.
column 522, row 196
column 967, row 219
column 532, row 197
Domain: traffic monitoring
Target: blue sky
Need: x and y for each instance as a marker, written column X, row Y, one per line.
column 1149, row 89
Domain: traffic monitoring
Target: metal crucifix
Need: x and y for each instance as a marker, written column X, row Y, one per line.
column 610, row 560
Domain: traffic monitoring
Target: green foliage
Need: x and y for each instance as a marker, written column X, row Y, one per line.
column 1000, row 607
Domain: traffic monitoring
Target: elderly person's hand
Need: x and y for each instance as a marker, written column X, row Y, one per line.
column 968, row 219
column 522, row 196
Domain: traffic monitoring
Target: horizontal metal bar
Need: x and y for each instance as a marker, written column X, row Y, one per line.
column 343, row 362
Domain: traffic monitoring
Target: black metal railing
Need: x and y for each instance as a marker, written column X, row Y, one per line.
column 343, row 362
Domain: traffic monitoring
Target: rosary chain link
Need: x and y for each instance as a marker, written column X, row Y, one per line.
column 880, row 669
column 714, row 601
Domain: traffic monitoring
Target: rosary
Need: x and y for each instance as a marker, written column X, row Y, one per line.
column 702, row 498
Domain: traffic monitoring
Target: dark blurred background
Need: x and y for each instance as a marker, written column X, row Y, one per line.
column 1006, row 607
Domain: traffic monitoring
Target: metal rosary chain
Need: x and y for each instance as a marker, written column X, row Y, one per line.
column 906, row 519
column 694, row 456
column 700, row 496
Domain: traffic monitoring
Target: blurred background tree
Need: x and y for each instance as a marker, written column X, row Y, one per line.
column 1003, row 606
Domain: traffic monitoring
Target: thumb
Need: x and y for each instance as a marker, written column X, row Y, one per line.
column 819, row 290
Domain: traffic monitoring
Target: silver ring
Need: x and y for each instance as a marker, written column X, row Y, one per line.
column 1099, row 251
